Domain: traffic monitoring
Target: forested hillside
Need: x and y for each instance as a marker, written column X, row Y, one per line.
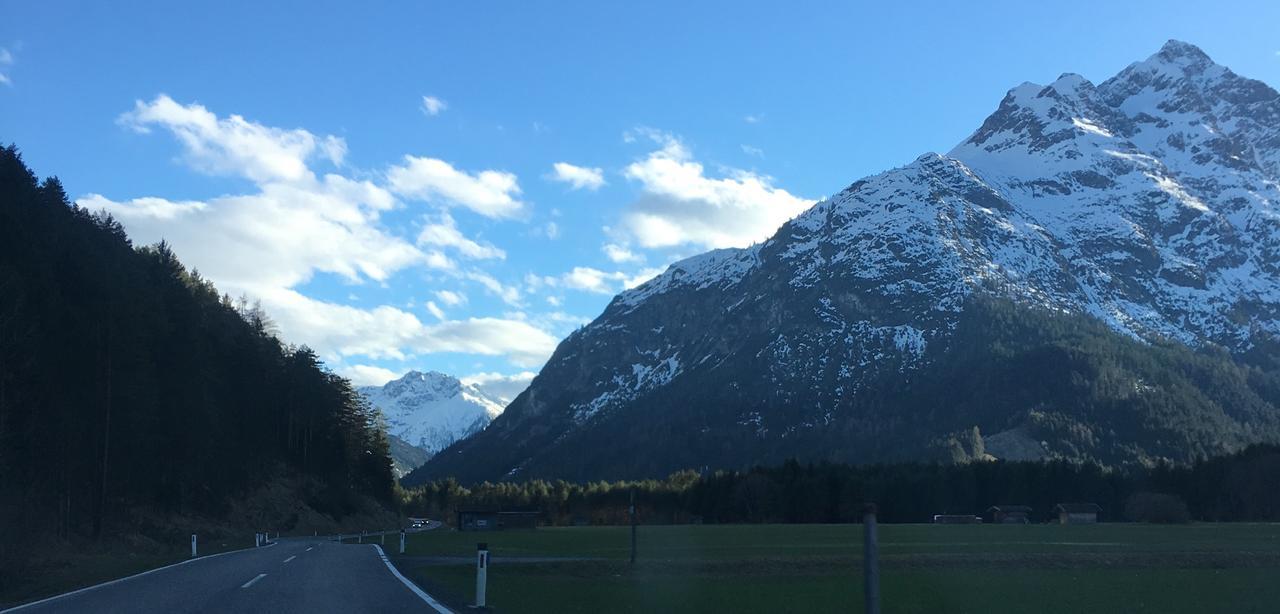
column 128, row 384
column 1011, row 382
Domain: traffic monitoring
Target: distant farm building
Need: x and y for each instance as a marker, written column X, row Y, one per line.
column 956, row 519
column 494, row 520
column 1009, row 514
column 1077, row 513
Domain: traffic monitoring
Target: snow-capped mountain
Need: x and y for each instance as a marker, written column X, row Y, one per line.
column 1149, row 203
column 432, row 410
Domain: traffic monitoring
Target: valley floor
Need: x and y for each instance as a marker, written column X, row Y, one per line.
column 817, row 568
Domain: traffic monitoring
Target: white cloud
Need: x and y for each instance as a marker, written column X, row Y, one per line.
column 578, row 177
column 233, row 145
column 620, row 254
column 753, row 118
column 279, row 237
column 490, row 193
column 590, row 280
column 508, row 294
column 451, row 298
column 503, row 386
column 337, row 331
column 297, row 224
column 682, row 206
column 368, row 375
column 433, row 106
column 444, row 233
column 641, row 277
column 752, row 151
column 435, row 310
column 552, row 230
column 6, row 60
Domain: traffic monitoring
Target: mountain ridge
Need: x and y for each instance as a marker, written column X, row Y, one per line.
column 1146, row 203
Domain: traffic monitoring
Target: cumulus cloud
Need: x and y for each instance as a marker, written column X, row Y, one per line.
column 386, row 332
column 297, row 224
column 590, row 280
column 433, row 106
column 752, row 151
column 451, row 298
column 509, row 294
column 279, row 237
column 490, row 193
column 504, row 387
column 681, row 205
column 435, row 310
column 368, row 375
column 578, row 177
column 444, row 232
column 642, row 276
column 232, row 145
column 620, row 254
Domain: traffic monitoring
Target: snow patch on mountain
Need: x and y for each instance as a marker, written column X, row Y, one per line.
column 432, row 410
column 1149, row 201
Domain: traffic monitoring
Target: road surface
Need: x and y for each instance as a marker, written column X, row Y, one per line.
column 292, row 575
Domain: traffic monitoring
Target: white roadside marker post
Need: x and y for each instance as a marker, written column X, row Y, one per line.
column 193, row 545
column 401, row 541
column 384, row 538
column 482, row 572
column 257, row 540
column 360, row 540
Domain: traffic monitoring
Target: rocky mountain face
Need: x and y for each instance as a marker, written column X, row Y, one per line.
column 1125, row 236
column 426, row 412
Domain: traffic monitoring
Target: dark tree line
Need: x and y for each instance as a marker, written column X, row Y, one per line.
column 128, row 381
column 1239, row 487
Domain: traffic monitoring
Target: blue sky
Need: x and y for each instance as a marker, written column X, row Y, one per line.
column 456, row 186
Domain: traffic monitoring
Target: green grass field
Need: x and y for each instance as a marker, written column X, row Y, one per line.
column 817, row 568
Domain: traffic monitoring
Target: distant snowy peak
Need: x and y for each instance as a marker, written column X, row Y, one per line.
column 432, row 410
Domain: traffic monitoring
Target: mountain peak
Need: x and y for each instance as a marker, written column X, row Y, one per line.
column 1179, row 50
column 431, row 410
column 1071, row 83
column 424, row 376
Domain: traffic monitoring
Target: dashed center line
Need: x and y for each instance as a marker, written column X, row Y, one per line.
column 291, row 558
column 308, row 549
column 250, row 582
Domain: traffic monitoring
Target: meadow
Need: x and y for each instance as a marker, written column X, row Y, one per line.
column 818, row 568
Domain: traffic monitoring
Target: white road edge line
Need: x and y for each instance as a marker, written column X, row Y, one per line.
column 413, row 587
column 291, row 558
column 119, row 580
column 250, row 582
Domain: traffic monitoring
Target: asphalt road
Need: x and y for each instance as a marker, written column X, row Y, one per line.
column 294, row 575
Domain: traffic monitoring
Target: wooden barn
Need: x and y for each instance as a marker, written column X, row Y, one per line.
column 477, row 520
column 480, row 519
column 1009, row 514
column 1077, row 513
